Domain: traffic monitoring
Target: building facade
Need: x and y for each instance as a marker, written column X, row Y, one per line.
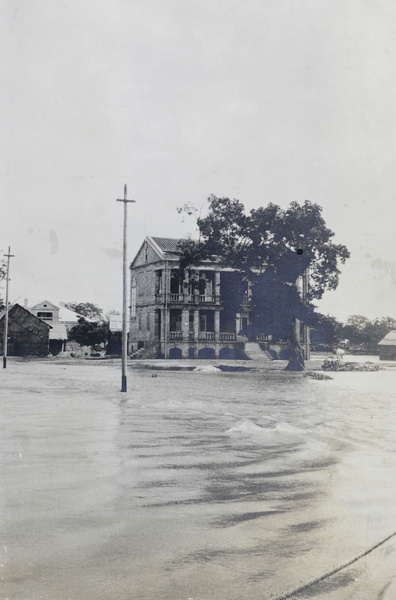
column 27, row 334
column 387, row 346
column 203, row 312
column 61, row 320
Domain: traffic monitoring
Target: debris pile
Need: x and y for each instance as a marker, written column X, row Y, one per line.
column 316, row 375
column 337, row 365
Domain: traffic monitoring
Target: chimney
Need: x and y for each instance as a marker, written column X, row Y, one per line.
column 26, row 303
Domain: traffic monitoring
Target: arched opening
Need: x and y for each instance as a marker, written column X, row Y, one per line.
column 227, row 353
column 175, row 353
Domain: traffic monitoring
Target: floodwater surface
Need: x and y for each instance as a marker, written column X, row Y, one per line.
column 195, row 485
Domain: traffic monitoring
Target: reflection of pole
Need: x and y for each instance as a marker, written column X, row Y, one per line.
column 5, row 343
column 124, row 295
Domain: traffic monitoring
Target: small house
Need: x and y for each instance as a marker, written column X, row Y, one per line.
column 387, row 346
column 27, row 334
column 61, row 320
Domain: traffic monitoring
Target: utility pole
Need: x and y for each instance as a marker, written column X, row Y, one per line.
column 5, row 343
column 124, row 295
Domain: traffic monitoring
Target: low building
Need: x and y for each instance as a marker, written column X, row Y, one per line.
column 27, row 334
column 203, row 312
column 61, row 320
column 387, row 346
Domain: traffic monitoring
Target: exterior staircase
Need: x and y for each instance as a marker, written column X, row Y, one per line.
column 254, row 351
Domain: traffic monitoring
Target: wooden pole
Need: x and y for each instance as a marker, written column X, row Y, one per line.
column 124, row 295
column 5, row 343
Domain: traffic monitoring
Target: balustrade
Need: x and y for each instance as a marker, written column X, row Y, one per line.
column 175, row 335
column 227, row 337
column 206, row 335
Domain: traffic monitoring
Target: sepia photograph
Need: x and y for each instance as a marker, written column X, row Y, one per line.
column 198, row 300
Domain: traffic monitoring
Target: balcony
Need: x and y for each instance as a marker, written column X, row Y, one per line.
column 209, row 336
column 161, row 298
column 206, row 335
column 227, row 337
column 175, row 335
column 176, row 298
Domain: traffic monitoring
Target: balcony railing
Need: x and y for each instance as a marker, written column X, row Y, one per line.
column 186, row 298
column 175, row 335
column 206, row 335
column 207, row 298
column 202, row 335
column 227, row 337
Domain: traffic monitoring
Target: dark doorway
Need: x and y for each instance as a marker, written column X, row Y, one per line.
column 206, row 353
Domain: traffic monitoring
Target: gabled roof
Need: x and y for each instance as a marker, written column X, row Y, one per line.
column 167, row 244
column 389, row 339
column 65, row 314
column 17, row 306
column 47, row 304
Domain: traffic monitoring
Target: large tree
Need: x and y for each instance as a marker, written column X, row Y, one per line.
column 272, row 248
column 86, row 309
column 88, row 333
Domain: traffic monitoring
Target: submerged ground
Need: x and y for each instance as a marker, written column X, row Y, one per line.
column 199, row 485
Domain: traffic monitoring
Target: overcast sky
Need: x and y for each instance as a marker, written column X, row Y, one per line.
column 260, row 100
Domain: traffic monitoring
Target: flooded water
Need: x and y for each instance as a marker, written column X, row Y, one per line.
column 195, row 485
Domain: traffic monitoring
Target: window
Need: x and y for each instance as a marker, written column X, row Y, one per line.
column 46, row 316
column 174, row 282
column 175, row 320
column 133, row 298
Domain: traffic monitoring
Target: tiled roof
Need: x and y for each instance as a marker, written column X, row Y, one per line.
column 167, row 244
column 389, row 339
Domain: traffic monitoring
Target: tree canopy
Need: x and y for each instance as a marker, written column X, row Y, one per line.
column 86, row 309
column 88, row 333
column 272, row 247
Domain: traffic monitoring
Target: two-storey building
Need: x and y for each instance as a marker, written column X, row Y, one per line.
column 202, row 312
column 184, row 315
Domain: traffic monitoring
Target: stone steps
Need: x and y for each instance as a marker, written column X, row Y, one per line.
column 253, row 351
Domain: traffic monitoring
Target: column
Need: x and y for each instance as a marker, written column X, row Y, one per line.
column 297, row 330
column 217, row 325
column 185, row 324
column 216, row 291
column 196, row 325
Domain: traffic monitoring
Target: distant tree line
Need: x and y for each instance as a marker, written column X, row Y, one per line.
column 358, row 333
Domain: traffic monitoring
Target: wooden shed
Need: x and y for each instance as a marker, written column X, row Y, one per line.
column 27, row 335
column 387, row 346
